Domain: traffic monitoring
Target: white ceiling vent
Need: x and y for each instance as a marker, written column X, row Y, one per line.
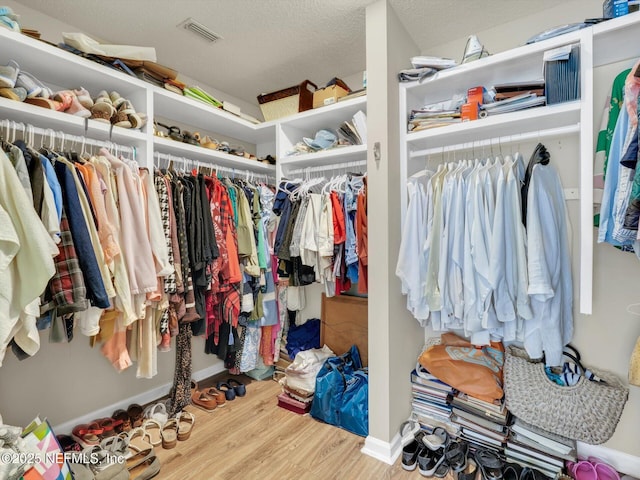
column 200, row 29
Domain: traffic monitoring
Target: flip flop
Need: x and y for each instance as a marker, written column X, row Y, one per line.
column 239, row 388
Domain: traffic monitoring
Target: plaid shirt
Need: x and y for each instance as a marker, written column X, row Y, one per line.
column 66, row 292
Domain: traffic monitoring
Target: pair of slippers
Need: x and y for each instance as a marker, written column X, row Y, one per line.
column 232, row 388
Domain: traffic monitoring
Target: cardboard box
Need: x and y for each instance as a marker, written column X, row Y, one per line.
column 469, row 111
column 328, row 95
column 475, row 94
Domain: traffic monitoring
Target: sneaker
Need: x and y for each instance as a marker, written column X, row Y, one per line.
column 9, row 74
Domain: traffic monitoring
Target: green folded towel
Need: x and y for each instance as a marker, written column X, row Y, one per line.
column 198, row 94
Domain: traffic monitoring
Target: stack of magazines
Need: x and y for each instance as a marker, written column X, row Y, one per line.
column 482, row 424
column 512, row 104
column 432, row 118
column 429, row 402
column 533, row 447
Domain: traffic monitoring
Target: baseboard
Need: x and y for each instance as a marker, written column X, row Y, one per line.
column 387, row 452
column 621, row 461
column 141, row 399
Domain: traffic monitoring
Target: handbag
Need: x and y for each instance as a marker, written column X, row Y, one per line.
column 340, row 398
column 587, row 411
column 476, row 371
column 354, row 411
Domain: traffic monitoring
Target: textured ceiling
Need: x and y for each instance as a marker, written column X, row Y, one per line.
column 272, row 44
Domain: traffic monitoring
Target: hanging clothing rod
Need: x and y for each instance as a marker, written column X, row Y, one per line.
column 187, row 162
column 12, row 127
column 327, row 168
column 497, row 141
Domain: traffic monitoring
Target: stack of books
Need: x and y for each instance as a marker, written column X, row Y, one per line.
column 429, row 401
column 533, row 447
column 482, row 424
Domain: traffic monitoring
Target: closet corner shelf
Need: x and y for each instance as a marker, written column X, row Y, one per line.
column 213, row 157
column 516, row 63
column 329, row 116
column 529, row 120
column 611, row 39
column 58, row 121
column 351, row 153
column 208, row 118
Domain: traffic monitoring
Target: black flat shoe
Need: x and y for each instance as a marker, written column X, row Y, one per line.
column 229, row 392
column 239, row 387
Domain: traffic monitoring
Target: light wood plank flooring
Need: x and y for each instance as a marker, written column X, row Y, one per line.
column 252, row 438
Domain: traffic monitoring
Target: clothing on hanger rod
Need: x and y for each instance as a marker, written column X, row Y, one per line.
column 233, row 172
column 328, row 168
column 506, row 139
column 12, row 127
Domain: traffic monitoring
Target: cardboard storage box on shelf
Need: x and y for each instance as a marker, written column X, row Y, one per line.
column 288, row 101
column 330, row 94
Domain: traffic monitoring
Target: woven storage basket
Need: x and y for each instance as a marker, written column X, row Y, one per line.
column 288, row 101
column 588, row 411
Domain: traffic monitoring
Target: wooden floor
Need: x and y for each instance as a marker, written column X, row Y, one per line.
column 252, row 438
